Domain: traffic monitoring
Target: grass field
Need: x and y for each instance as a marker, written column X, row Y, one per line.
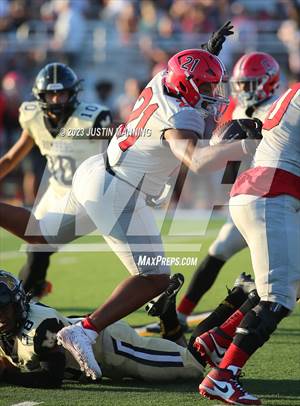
column 83, row 280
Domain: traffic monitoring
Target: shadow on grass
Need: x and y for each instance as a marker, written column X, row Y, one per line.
column 269, row 389
column 132, row 385
column 282, row 387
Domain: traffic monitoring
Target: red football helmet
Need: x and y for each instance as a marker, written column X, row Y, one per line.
column 197, row 77
column 255, row 78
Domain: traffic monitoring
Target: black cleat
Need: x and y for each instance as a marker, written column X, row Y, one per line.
column 157, row 307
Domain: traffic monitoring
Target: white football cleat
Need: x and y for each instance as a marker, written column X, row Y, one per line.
column 74, row 339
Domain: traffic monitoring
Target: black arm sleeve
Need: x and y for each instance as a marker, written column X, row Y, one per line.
column 49, row 376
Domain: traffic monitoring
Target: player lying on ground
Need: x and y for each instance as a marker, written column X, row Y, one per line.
column 265, row 206
column 110, row 192
column 31, row 357
column 56, row 123
column 254, row 81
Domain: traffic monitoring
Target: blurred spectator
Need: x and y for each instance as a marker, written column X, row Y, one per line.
column 126, row 101
column 289, row 34
column 245, row 29
column 104, row 90
column 148, row 19
column 127, row 23
column 22, row 183
column 69, row 31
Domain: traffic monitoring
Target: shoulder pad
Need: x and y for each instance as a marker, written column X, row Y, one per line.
column 89, row 111
column 28, row 110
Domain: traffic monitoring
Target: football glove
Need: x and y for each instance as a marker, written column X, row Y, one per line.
column 244, row 128
column 214, row 45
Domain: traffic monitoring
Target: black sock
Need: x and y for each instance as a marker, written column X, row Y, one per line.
column 33, row 273
column 230, row 304
column 203, row 278
column 169, row 323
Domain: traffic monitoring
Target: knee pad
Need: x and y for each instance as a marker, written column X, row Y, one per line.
column 252, row 300
column 262, row 321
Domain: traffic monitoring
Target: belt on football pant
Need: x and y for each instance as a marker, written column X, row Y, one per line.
column 113, row 173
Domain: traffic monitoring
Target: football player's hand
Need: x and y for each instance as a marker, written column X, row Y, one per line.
column 214, row 45
column 253, row 132
column 244, row 128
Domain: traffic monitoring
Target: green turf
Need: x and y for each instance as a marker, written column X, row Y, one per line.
column 83, row 280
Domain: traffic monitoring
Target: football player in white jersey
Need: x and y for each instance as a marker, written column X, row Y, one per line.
column 55, row 122
column 265, row 207
column 110, row 192
column 254, row 81
column 28, row 340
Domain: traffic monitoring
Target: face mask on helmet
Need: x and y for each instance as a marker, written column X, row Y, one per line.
column 198, row 78
column 57, row 78
column 249, row 92
column 214, row 98
column 255, row 78
column 13, row 305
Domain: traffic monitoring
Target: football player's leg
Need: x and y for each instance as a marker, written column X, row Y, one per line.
column 120, row 214
column 164, row 306
column 15, row 220
column 228, row 242
column 137, row 242
column 147, row 358
column 271, row 228
column 213, row 336
column 34, row 271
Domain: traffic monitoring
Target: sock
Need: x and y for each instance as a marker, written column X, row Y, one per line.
column 234, row 356
column 169, row 324
column 201, row 282
column 186, row 306
column 231, row 303
column 88, row 324
column 230, row 325
column 90, row 329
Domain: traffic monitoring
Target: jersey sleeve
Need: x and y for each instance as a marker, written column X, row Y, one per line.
column 187, row 119
column 27, row 112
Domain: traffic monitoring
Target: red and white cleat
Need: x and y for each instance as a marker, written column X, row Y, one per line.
column 212, row 346
column 222, row 384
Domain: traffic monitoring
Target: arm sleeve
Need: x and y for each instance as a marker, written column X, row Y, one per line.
column 49, row 375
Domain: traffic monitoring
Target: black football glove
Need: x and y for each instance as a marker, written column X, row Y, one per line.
column 233, row 130
column 253, row 135
column 253, row 132
column 214, row 45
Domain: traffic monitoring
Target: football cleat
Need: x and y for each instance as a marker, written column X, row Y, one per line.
column 246, row 282
column 157, row 307
column 222, row 384
column 74, row 339
column 212, row 346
